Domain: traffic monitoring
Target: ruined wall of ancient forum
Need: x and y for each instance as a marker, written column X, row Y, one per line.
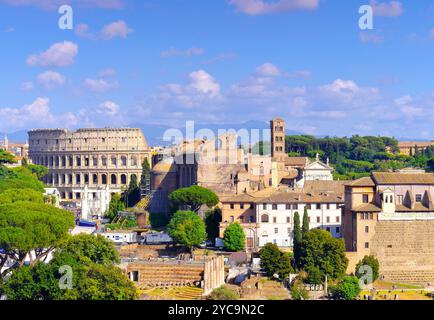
column 88, row 157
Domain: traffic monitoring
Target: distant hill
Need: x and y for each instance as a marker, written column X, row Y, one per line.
column 15, row 137
column 155, row 133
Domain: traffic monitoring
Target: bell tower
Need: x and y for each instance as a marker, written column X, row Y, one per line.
column 277, row 127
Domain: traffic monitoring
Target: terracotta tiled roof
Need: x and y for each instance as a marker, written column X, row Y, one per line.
column 294, row 197
column 317, row 186
column 403, row 178
column 367, row 207
column 362, row 182
column 418, row 207
column 296, row 161
column 245, row 197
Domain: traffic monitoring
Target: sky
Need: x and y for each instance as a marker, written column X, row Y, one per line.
column 163, row 62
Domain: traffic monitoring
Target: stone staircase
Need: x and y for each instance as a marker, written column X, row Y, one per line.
column 405, row 250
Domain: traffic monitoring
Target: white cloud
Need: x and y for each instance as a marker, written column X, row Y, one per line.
column 60, row 54
column 82, row 30
column 387, row 9
column 100, row 85
column 109, row 108
column 50, row 79
column 204, row 83
column 9, row 30
column 116, row 29
column 172, row 52
column 259, row 7
column 268, row 70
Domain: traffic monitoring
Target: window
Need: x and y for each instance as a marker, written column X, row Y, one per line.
column 365, row 198
column 264, row 206
column 328, row 229
column 308, row 206
column 289, row 230
column 252, row 206
column 366, row 245
column 95, row 161
column 241, row 205
column 276, row 230
column 232, row 219
column 274, row 206
column 338, row 230
column 265, row 218
column 114, row 161
column 371, row 216
column 104, row 161
column 338, row 219
column 318, row 206
column 418, row 198
column 274, row 220
column 288, row 219
column 328, row 219
column 318, row 219
column 366, row 229
column 232, row 206
column 328, row 206
column 288, row 206
column 124, row 161
column 295, row 206
column 251, row 219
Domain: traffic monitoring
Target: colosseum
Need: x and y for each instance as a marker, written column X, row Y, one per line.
column 89, row 163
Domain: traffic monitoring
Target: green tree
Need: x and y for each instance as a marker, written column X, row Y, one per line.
column 314, row 275
column 298, row 291
column 297, row 239
column 89, row 248
column 371, row 262
column 213, row 218
column 132, row 195
column 27, row 227
column 6, row 157
column 19, row 178
column 90, row 281
column 347, row 289
column 116, row 205
column 305, row 228
column 319, row 249
column 187, row 228
column 145, row 180
column 234, row 238
column 38, row 171
column 17, row 195
column 273, row 261
column 194, row 197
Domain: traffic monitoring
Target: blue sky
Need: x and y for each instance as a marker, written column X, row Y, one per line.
column 221, row 61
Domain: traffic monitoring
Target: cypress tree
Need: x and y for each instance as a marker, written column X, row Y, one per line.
column 305, row 227
column 297, row 239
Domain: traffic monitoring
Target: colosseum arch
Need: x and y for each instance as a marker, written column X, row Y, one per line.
column 113, row 179
column 123, row 179
column 104, row 179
